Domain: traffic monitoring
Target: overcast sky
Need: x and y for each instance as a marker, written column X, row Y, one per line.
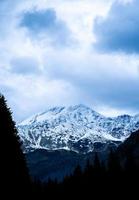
column 67, row 52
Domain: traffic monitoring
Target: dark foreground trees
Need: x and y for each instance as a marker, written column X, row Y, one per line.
column 117, row 178
column 14, row 174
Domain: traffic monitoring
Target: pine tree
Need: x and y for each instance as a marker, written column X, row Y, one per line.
column 113, row 163
column 88, row 170
column 97, row 164
column 130, row 165
column 14, row 173
column 77, row 172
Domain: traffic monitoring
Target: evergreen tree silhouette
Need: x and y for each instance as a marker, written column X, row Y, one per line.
column 113, row 163
column 130, row 165
column 14, row 172
column 131, row 170
column 97, row 164
column 88, row 171
column 77, row 171
column 114, row 172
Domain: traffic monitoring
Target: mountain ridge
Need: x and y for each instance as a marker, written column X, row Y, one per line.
column 77, row 128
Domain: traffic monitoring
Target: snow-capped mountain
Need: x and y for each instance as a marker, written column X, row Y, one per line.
column 77, row 128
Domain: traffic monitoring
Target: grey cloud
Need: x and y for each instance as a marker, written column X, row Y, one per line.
column 119, row 31
column 116, row 93
column 46, row 23
column 113, row 92
column 98, row 83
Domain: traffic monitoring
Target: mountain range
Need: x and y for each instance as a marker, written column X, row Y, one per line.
column 75, row 128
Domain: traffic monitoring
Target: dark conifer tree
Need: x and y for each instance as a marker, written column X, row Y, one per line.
column 113, row 163
column 88, row 171
column 130, row 165
column 14, row 173
column 97, row 164
column 115, row 174
column 77, row 172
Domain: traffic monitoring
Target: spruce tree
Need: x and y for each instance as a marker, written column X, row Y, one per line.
column 97, row 164
column 113, row 163
column 14, row 173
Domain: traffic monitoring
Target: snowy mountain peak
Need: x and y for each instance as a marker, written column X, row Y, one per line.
column 76, row 128
column 42, row 116
column 56, row 111
column 79, row 107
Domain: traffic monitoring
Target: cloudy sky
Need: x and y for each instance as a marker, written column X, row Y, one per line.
column 67, row 52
